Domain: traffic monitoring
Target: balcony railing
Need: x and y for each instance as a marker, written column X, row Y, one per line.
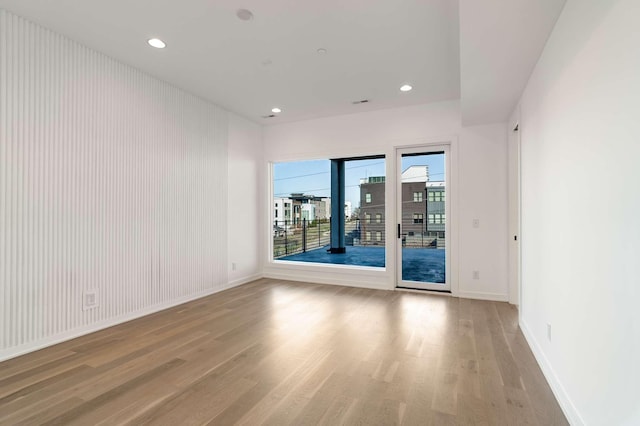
column 293, row 237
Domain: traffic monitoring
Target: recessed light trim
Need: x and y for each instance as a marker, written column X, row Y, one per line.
column 244, row 14
column 157, row 43
column 276, row 110
column 405, row 88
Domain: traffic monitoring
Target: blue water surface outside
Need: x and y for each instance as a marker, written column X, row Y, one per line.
column 418, row 264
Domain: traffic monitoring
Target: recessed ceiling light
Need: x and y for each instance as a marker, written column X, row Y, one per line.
column 405, row 88
column 157, row 43
column 276, row 110
column 244, row 14
column 322, row 51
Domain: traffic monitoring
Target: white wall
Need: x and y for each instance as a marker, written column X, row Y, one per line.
column 109, row 180
column 580, row 123
column 245, row 162
column 482, row 192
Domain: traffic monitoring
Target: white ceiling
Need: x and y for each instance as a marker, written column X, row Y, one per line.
column 373, row 47
column 501, row 41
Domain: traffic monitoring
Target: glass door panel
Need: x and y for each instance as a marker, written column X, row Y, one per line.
column 422, row 211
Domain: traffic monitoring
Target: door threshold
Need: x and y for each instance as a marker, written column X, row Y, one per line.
column 424, row 290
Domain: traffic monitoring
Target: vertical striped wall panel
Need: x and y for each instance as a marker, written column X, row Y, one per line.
column 110, row 180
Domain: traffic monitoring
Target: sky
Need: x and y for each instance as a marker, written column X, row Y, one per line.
column 314, row 177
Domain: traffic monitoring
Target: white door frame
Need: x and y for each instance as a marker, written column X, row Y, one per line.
column 440, row 147
column 515, row 229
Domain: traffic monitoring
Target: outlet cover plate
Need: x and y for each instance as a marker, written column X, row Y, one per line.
column 89, row 299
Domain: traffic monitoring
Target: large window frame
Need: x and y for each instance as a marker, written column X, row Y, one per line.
column 373, row 236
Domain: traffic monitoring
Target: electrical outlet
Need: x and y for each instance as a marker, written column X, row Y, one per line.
column 89, row 299
column 476, row 275
column 549, row 332
column 476, row 223
column 233, row 266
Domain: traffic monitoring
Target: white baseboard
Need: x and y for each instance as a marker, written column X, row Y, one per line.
column 92, row 328
column 243, row 280
column 312, row 278
column 568, row 408
column 495, row 297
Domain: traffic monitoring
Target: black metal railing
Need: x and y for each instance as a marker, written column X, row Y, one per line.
column 291, row 237
column 299, row 236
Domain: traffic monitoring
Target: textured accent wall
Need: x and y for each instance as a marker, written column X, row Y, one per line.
column 110, row 180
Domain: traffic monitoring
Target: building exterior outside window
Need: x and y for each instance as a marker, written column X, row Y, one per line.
column 372, row 193
column 423, row 208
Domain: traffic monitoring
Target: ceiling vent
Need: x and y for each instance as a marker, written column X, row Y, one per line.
column 363, row 101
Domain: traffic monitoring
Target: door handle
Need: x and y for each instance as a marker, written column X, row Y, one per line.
column 399, row 232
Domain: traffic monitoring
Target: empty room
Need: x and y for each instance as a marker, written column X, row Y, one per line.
column 319, row 213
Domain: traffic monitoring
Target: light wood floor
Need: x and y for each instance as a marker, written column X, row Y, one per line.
column 275, row 352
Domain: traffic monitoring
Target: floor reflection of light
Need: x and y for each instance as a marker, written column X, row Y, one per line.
column 297, row 318
column 424, row 314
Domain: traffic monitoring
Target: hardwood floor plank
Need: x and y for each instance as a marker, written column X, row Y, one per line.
column 90, row 406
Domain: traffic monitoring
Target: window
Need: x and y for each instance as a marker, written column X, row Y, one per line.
column 435, row 196
column 411, row 233
column 437, row 218
column 417, row 218
column 417, row 197
column 303, row 221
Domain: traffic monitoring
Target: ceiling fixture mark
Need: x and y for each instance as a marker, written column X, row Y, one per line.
column 269, row 116
column 322, row 51
column 244, row 14
column 362, row 101
column 157, row 43
column 405, row 88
